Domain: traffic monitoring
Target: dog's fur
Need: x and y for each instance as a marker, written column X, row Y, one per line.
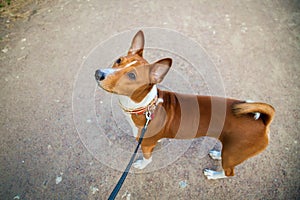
column 241, row 126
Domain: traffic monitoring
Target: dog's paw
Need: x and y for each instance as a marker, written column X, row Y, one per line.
column 211, row 174
column 214, row 154
column 141, row 164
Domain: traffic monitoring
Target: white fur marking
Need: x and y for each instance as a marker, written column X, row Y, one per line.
column 211, row 174
column 141, row 164
column 129, row 64
column 256, row 114
column 111, row 70
column 135, row 130
column 159, row 100
column 214, row 154
column 108, row 71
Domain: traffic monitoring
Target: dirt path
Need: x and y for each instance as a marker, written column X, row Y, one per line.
column 255, row 46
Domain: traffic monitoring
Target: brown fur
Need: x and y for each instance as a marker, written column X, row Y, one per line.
column 242, row 137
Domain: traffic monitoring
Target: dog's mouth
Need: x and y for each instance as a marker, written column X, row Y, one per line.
column 103, row 86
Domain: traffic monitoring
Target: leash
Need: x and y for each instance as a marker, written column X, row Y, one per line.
column 125, row 173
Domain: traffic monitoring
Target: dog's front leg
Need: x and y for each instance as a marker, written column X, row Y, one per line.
column 147, row 157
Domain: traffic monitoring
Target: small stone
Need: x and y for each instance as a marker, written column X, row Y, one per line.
column 127, row 195
column 94, row 189
column 45, row 183
column 58, row 179
column 183, row 184
column 23, row 40
column 17, row 197
column 5, row 50
column 88, row 120
column 244, row 29
column 21, row 58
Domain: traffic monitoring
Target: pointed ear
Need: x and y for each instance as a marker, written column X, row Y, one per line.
column 159, row 69
column 137, row 44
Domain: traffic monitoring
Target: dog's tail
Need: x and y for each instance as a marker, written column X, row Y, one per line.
column 260, row 110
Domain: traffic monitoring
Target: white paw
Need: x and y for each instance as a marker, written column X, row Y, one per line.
column 211, row 174
column 141, row 164
column 214, row 154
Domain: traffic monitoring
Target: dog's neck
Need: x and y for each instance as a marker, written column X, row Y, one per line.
column 129, row 104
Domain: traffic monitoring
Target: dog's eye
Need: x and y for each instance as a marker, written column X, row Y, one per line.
column 119, row 61
column 131, row 76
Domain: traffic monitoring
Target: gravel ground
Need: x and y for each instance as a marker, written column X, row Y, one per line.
column 254, row 45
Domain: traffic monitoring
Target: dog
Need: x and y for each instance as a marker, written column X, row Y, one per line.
column 241, row 126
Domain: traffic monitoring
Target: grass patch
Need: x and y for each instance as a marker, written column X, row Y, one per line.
column 13, row 9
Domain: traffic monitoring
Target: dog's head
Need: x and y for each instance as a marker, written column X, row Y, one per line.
column 132, row 75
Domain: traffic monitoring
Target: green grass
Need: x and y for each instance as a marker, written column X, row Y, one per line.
column 3, row 3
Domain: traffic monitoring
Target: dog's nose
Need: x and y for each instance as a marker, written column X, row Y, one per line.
column 99, row 75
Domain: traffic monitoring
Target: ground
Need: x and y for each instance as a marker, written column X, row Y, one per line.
column 254, row 44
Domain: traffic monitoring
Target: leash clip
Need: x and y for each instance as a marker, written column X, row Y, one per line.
column 148, row 116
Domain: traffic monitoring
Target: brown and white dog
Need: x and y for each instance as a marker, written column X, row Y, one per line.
column 241, row 126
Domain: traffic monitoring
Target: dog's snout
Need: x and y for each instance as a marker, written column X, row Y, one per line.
column 99, row 75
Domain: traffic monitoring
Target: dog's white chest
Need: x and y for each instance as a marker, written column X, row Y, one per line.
column 135, row 130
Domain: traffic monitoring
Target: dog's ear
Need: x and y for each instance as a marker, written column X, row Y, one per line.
column 159, row 69
column 137, row 44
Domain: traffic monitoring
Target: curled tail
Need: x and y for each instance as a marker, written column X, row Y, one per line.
column 264, row 111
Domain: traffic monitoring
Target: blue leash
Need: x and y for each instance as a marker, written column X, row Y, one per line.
column 117, row 188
